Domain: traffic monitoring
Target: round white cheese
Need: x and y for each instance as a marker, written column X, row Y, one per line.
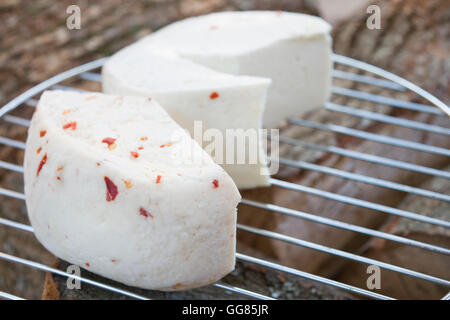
column 291, row 49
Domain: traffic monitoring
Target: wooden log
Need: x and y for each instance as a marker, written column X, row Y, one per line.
column 267, row 282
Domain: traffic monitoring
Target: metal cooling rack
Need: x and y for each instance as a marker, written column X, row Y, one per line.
column 385, row 80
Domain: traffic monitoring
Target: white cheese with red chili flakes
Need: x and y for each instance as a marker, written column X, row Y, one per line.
column 183, row 63
column 114, row 185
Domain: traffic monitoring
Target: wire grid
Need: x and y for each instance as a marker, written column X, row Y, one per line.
column 388, row 81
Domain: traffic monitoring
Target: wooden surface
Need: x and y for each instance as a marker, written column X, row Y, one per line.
column 269, row 283
column 413, row 43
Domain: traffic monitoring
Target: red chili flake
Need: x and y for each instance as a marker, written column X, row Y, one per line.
column 149, row 99
column 72, row 125
column 60, row 168
column 134, row 154
column 145, row 213
column 66, row 111
column 144, row 138
column 141, row 148
column 58, row 178
column 113, row 260
column 98, row 164
column 158, row 179
column 215, row 183
column 165, row 145
column 109, row 141
column 42, row 133
column 87, row 264
column 43, row 161
column 214, row 95
column 111, row 190
column 39, row 150
column 179, row 174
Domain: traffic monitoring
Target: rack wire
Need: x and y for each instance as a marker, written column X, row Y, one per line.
column 382, row 79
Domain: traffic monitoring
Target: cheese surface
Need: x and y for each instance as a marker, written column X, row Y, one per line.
column 272, row 65
column 234, row 33
column 292, row 49
column 114, row 185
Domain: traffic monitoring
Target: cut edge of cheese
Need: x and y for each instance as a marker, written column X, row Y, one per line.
column 222, row 102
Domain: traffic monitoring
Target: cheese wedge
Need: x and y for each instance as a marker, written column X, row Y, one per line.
column 115, row 186
column 233, row 57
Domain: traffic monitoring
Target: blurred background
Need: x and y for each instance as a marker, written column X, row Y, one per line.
column 35, row 44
